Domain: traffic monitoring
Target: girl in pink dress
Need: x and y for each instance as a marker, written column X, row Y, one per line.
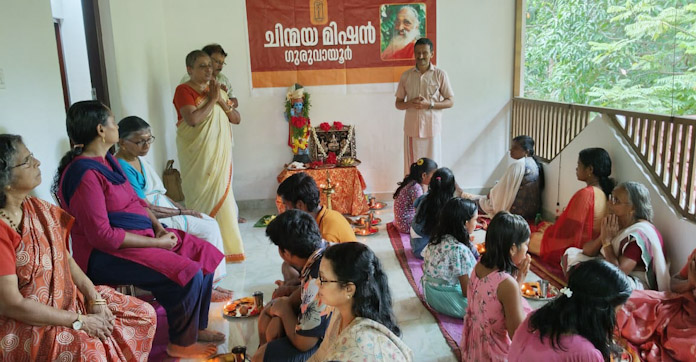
column 496, row 307
column 578, row 325
column 409, row 190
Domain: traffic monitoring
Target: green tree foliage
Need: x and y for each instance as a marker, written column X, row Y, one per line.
column 631, row 54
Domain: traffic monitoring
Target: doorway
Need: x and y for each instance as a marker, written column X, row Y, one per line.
column 80, row 51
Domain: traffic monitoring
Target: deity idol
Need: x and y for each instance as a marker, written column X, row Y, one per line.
column 297, row 114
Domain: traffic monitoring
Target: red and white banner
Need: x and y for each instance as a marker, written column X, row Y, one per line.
column 322, row 42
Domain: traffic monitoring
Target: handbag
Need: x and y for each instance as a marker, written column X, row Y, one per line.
column 171, row 178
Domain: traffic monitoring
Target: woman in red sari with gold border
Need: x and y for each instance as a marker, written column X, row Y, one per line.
column 49, row 309
column 580, row 221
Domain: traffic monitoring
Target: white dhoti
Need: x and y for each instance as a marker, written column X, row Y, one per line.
column 415, row 148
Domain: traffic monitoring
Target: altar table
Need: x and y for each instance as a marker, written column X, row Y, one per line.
column 348, row 184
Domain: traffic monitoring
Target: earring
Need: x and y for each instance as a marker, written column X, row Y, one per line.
column 103, row 139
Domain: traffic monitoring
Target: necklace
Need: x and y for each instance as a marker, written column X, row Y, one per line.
column 12, row 224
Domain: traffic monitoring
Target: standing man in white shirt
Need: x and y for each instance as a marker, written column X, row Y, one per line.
column 423, row 92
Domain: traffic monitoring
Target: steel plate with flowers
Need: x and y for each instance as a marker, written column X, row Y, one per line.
column 361, row 221
column 374, row 204
column 241, row 308
column 295, row 166
column 533, row 290
column 365, row 231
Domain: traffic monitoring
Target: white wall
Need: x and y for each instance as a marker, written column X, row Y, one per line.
column 135, row 48
column 72, row 29
column 31, row 104
column 476, row 52
column 626, row 167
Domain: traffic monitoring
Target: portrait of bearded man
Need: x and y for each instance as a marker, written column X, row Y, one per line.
column 405, row 33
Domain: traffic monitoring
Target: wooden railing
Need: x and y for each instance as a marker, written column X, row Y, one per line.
column 552, row 125
column 666, row 145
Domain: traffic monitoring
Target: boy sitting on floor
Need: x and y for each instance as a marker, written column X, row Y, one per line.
column 292, row 328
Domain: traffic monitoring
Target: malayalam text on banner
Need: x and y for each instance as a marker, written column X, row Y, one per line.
column 322, row 42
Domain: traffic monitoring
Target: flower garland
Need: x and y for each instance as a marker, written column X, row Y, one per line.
column 320, row 148
column 298, row 138
column 300, row 129
column 348, row 139
column 325, row 127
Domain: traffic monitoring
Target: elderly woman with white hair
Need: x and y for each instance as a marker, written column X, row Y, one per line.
column 628, row 239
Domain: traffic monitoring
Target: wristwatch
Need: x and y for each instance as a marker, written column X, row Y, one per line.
column 432, row 104
column 77, row 325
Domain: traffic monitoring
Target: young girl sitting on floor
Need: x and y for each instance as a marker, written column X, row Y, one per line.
column 409, row 190
column 496, row 307
column 442, row 188
column 450, row 258
column 579, row 324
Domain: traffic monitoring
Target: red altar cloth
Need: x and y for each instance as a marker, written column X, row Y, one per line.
column 348, row 183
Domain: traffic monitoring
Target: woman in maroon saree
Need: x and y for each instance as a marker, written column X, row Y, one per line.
column 117, row 240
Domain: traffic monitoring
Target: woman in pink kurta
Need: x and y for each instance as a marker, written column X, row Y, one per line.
column 578, row 325
column 527, row 346
column 496, row 306
column 117, row 240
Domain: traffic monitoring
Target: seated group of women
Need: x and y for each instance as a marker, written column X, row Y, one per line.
column 601, row 220
column 440, row 226
column 50, row 306
column 608, row 221
column 498, row 324
column 599, row 299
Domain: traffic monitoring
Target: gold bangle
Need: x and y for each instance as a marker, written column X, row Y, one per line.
column 229, row 110
column 97, row 302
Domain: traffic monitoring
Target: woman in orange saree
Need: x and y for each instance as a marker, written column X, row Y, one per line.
column 580, row 221
column 49, row 309
column 663, row 324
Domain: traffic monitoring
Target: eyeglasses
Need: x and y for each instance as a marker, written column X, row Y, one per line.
column 143, row 142
column 219, row 62
column 205, row 66
column 26, row 161
column 615, row 201
column 322, row 281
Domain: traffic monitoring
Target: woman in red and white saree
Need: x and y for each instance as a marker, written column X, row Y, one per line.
column 663, row 324
column 49, row 309
column 204, row 144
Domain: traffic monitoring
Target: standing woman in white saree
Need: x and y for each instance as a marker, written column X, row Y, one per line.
column 204, row 143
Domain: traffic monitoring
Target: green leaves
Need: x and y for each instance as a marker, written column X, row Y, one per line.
column 635, row 54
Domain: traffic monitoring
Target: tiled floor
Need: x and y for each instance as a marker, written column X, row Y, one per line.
column 262, row 268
